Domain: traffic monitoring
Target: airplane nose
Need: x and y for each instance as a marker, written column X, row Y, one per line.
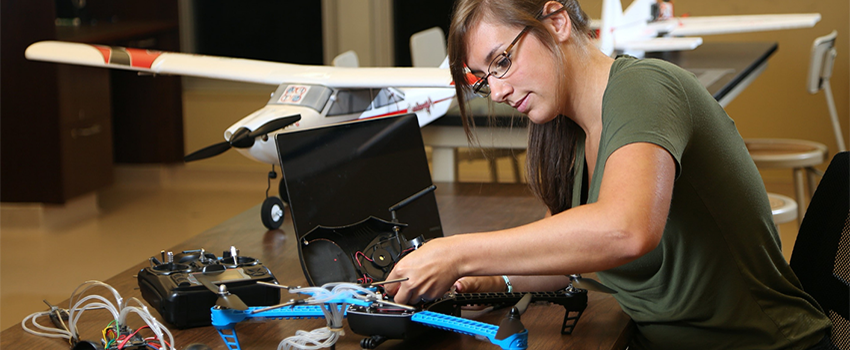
column 242, row 138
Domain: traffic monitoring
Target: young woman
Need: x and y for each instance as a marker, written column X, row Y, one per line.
column 646, row 179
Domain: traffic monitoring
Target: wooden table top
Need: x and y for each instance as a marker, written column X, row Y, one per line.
column 463, row 207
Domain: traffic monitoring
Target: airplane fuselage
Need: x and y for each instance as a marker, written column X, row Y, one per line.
column 320, row 106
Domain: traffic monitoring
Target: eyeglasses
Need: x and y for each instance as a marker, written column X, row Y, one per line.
column 499, row 66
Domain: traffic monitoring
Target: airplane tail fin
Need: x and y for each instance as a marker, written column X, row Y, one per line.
column 445, row 64
column 612, row 14
column 618, row 26
column 428, row 48
column 640, row 11
column 347, row 59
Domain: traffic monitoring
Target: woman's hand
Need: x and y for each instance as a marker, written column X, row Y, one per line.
column 480, row 284
column 431, row 270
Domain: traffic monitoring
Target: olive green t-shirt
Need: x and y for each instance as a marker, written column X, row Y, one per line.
column 718, row 279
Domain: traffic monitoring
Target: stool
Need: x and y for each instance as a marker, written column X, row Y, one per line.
column 784, row 209
column 800, row 155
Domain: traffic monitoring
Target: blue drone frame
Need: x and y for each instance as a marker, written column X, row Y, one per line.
column 403, row 322
column 225, row 319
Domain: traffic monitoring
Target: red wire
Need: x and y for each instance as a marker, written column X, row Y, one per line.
column 151, row 343
column 120, row 346
column 364, row 255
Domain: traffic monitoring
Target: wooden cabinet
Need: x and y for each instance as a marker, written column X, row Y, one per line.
column 63, row 127
column 30, row 163
column 85, row 129
column 147, row 111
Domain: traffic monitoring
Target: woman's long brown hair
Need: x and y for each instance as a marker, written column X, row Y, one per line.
column 551, row 146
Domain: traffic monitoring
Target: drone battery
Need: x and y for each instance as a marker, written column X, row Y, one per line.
column 390, row 325
column 184, row 302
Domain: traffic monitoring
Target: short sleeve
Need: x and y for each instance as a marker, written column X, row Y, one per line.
column 644, row 102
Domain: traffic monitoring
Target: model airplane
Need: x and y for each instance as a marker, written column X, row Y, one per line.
column 322, row 95
column 306, row 96
column 638, row 30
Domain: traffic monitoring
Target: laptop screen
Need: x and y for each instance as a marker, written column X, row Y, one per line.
column 342, row 174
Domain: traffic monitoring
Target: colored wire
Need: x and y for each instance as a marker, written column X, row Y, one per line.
column 110, row 334
column 79, row 303
column 149, row 342
column 130, row 336
column 364, row 256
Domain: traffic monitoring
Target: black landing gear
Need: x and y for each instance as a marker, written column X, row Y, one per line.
column 272, row 211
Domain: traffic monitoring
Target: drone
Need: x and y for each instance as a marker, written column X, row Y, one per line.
column 372, row 247
column 370, row 313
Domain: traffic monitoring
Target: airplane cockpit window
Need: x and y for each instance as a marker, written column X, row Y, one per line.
column 313, row 96
column 359, row 100
column 387, row 96
column 351, row 101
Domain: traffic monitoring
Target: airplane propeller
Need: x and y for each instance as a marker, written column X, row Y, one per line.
column 511, row 324
column 590, row 284
column 242, row 138
column 225, row 298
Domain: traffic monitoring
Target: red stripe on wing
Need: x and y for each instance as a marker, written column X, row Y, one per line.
column 106, row 51
column 140, row 58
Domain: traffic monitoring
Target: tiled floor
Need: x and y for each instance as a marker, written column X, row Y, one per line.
column 136, row 220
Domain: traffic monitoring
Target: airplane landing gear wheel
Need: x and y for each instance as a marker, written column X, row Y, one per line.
column 272, row 213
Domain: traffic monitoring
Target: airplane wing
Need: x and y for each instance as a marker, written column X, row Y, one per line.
column 710, row 25
column 660, row 44
column 235, row 69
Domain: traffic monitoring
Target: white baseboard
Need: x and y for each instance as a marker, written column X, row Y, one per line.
column 41, row 215
column 184, row 177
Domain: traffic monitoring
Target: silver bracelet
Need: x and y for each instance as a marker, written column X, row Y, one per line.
column 508, row 283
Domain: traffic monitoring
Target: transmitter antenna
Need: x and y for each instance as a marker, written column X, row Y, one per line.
column 407, row 201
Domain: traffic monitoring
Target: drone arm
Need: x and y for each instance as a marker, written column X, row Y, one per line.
column 479, row 330
column 225, row 320
column 574, row 303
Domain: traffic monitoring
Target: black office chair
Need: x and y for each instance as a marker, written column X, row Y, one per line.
column 821, row 256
